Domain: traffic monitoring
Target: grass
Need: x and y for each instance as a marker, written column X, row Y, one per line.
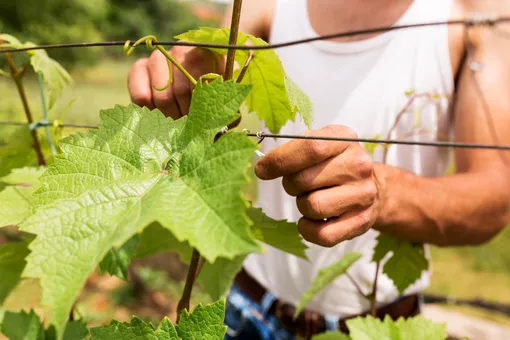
column 474, row 272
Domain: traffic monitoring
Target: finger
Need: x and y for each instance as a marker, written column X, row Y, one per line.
column 163, row 100
column 334, row 171
column 197, row 62
column 333, row 231
column 300, row 154
column 335, row 201
column 139, row 84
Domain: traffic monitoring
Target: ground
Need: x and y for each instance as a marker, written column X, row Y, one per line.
column 481, row 272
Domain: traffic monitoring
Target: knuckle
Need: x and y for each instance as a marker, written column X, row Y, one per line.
column 363, row 165
column 318, row 148
column 326, row 238
column 349, row 132
column 313, row 204
column 369, row 191
column 140, row 63
column 365, row 220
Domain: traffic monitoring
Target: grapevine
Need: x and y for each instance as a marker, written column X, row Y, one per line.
column 143, row 183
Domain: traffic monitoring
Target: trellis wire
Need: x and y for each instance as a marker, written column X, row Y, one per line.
column 475, row 20
column 262, row 135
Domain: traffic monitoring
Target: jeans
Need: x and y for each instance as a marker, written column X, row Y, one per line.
column 249, row 320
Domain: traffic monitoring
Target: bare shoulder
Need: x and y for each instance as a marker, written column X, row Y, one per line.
column 256, row 17
column 480, row 38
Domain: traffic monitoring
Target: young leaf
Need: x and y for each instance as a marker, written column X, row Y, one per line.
column 326, row 276
column 12, row 262
column 275, row 97
column 406, row 263
column 55, row 76
column 215, row 279
column 217, row 36
column 416, row 328
column 16, row 198
column 117, row 260
column 203, row 323
column 22, row 326
column 336, row 335
column 136, row 329
column 278, row 234
column 137, row 168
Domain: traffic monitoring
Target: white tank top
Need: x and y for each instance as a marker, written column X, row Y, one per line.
column 362, row 85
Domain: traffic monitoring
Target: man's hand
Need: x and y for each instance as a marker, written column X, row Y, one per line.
column 148, row 73
column 331, row 180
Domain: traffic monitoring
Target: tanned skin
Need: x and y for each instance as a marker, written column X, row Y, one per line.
column 332, row 179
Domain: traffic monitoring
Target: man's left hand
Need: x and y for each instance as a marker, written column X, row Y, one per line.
column 331, row 180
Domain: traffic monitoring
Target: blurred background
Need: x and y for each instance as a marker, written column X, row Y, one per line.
column 100, row 81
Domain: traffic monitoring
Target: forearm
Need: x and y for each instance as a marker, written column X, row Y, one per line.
column 460, row 209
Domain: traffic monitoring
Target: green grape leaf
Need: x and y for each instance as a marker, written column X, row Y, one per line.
column 278, row 234
column 215, row 279
column 12, row 262
column 416, row 328
column 116, row 261
column 76, row 330
column 299, row 101
column 22, row 326
column 9, row 41
column 216, row 36
column 55, row 77
column 407, row 261
column 275, row 97
column 137, row 329
column 336, row 335
column 140, row 167
column 16, row 149
column 155, row 239
column 16, row 198
column 325, row 277
column 203, row 323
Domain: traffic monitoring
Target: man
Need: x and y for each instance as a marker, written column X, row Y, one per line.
column 416, row 84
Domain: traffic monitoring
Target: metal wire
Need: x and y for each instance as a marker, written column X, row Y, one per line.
column 475, row 20
column 261, row 135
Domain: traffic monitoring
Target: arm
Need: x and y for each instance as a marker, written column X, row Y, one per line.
column 473, row 205
column 338, row 181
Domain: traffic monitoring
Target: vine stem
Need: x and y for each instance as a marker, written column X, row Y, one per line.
column 234, row 30
column 21, row 91
column 373, row 296
column 190, row 280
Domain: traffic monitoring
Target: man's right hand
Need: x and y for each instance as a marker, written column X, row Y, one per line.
column 151, row 72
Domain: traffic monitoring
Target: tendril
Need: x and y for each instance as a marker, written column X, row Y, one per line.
column 149, row 41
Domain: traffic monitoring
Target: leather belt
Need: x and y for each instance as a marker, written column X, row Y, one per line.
column 308, row 322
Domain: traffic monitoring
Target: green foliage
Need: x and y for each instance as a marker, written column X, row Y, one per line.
column 27, row 326
column 370, row 328
column 275, row 97
column 96, row 20
column 325, row 277
column 16, row 197
column 203, row 323
column 416, row 328
column 279, row 234
column 116, row 261
column 406, row 263
column 12, row 262
column 111, row 183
